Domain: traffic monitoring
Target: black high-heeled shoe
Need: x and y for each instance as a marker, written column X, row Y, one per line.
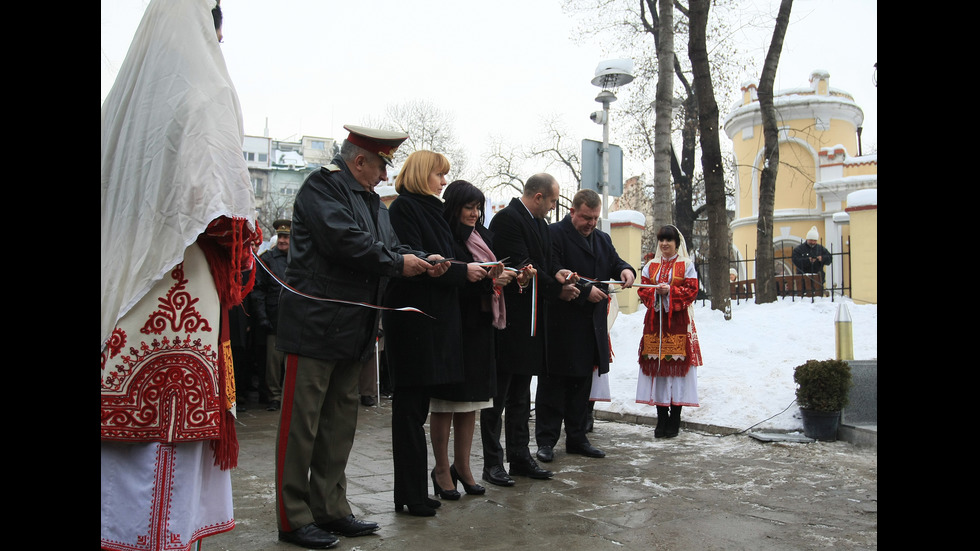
column 473, row 490
column 416, row 509
column 451, row 495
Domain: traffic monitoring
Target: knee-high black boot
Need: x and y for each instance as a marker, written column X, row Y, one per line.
column 674, row 426
column 663, row 419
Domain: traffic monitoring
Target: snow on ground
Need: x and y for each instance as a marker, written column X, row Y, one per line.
column 747, row 375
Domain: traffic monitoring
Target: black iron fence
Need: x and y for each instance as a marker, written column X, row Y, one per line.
column 833, row 283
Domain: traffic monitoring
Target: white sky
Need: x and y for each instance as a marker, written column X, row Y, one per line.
column 311, row 66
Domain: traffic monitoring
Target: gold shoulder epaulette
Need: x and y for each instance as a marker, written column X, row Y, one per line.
column 331, row 168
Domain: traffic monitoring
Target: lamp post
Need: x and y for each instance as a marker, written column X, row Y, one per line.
column 611, row 73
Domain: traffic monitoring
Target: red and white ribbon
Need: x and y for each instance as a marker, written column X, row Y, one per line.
column 614, row 282
column 352, row 303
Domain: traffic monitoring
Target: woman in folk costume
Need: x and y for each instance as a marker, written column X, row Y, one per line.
column 669, row 349
column 176, row 235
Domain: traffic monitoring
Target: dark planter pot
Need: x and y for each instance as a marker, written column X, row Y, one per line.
column 820, row 425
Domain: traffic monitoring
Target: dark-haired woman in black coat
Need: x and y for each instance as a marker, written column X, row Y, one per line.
column 481, row 305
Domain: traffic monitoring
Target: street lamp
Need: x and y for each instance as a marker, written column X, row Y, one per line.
column 611, row 73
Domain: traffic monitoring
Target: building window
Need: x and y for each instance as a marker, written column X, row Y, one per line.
column 318, row 144
column 249, row 156
column 263, row 157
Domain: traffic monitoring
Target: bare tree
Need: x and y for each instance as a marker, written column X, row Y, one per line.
column 764, row 267
column 711, row 159
column 506, row 166
column 502, row 165
column 428, row 127
column 661, row 25
column 275, row 207
column 559, row 150
column 627, row 22
column 682, row 166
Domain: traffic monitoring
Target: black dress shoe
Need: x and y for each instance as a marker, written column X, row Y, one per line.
column 274, row 405
column 529, row 467
column 368, row 401
column 497, row 475
column 310, row 536
column 546, row 454
column 585, row 449
column 349, row 527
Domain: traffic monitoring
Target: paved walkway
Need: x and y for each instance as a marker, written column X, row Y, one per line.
column 696, row 491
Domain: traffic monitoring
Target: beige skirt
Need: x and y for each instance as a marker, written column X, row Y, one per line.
column 437, row 405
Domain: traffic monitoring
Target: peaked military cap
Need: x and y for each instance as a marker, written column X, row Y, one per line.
column 283, row 227
column 382, row 142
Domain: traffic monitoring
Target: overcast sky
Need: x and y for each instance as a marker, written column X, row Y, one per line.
column 311, row 66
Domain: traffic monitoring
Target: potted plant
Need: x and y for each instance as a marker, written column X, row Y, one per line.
column 823, row 389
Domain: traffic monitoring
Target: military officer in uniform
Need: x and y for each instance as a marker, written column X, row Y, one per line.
column 342, row 248
column 265, row 297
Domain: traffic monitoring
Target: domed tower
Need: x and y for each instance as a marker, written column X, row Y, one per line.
column 819, row 165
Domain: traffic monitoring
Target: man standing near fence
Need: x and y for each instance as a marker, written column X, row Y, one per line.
column 810, row 256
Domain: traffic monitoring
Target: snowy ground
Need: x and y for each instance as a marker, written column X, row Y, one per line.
column 747, row 375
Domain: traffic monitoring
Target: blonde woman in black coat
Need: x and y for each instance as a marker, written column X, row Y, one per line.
column 424, row 352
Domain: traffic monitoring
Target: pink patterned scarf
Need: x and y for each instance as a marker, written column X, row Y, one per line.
column 481, row 253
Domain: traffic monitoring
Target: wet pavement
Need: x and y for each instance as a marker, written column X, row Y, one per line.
column 700, row 491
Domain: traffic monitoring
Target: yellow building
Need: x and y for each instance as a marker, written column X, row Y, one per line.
column 862, row 209
column 820, row 164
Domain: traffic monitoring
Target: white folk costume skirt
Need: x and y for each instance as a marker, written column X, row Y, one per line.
column 164, row 495
column 600, row 387
column 159, row 496
column 668, row 391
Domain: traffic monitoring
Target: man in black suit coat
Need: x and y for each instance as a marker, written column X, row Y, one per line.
column 578, row 340
column 520, row 234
